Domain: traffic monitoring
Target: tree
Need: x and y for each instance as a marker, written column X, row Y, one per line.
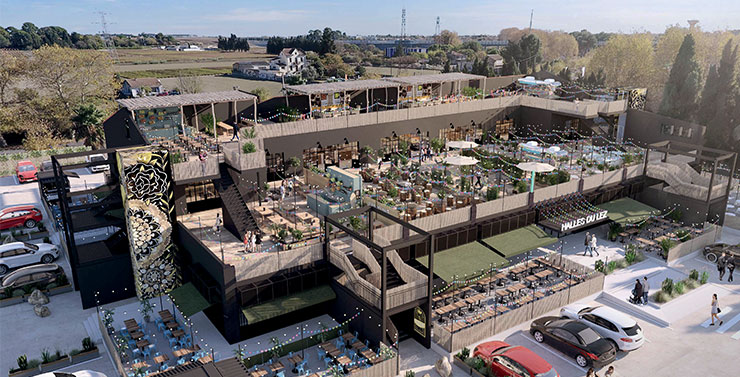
column 233, row 43
column 446, row 68
column 335, row 66
column 708, row 103
column 522, row 56
column 261, row 93
column 447, row 37
column 626, row 60
column 586, row 41
column 680, row 94
column 557, row 45
column 4, row 38
column 188, row 84
column 720, row 127
column 88, row 125
column 327, row 42
column 12, row 68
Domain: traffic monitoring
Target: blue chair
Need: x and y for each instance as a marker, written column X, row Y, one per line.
column 146, row 353
column 322, row 353
column 153, row 349
column 180, row 361
column 163, row 367
column 131, row 344
column 339, row 343
column 352, row 354
column 308, row 372
column 131, row 374
column 327, row 361
column 280, row 374
column 340, row 332
column 160, row 325
column 124, row 333
column 173, row 342
column 136, row 353
column 175, row 347
column 168, row 333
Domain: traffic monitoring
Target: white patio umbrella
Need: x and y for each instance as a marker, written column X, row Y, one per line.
column 535, row 167
column 460, row 160
column 461, row 144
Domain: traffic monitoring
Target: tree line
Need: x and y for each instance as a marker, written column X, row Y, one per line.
column 233, row 43
column 321, row 42
column 31, row 37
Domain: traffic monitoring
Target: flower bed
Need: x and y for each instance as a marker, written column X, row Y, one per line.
column 631, row 256
column 670, row 290
column 54, row 361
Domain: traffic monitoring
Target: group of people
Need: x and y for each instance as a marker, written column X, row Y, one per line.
column 640, row 292
column 590, row 244
column 592, row 373
column 726, row 262
column 252, row 242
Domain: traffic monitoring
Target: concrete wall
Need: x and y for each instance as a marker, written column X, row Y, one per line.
column 644, row 128
column 711, row 234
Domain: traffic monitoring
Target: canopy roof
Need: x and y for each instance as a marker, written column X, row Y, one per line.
column 460, row 160
column 436, row 78
column 287, row 304
column 628, row 211
column 520, row 240
column 158, row 102
column 468, row 259
column 339, row 86
column 537, row 167
column 188, row 299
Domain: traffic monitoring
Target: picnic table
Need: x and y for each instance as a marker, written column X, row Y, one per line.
column 543, row 274
column 347, row 336
column 358, row 345
column 161, row 358
column 502, row 292
column 295, row 359
column 140, row 364
column 172, row 325
column 645, row 241
column 131, row 325
column 142, row 343
column 531, row 278
column 136, row 335
column 475, row 298
column 539, row 294
column 276, row 367
column 186, row 351
column 178, row 333
column 343, row 360
column 501, row 309
column 258, row 373
column 205, row 359
column 370, row 355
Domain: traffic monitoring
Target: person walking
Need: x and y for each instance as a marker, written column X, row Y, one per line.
column 645, row 289
column 253, row 241
column 637, row 291
column 721, row 264
column 594, row 249
column 715, row 310
column 217, row 224
column 282, row 190
column 236, row 131
column 591, row 373
column 380, row 163
column 246, row 241
column 731, row 260
column 609, row 372
column 258, row 243
column 587, row 243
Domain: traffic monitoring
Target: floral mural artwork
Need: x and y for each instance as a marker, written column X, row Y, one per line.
column 145, row 186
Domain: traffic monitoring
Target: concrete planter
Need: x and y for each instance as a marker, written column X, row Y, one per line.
column 59, row 290
column 55, row 365
column 461, row 364
column 11, row 301
column 85, row 356
column 315, row 179
column 24, row 373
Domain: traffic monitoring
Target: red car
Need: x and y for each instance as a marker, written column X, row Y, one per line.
column 27, row 216
column 26, row 171
column 505, row 360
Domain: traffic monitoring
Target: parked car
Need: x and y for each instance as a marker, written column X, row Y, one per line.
column 26, row 171
column 713, row 252
column 27, row 216
column 613, row 325
column 79, row 373
column 504, row 360
column 574, row 339
column 19, row 254
column 97, row 158
column 37, row 274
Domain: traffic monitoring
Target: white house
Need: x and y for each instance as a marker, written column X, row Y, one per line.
column 142, row 87
column 290, row 61
column 496, row 62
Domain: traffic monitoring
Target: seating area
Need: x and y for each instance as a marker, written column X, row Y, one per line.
column 159, row 346
column 342, row 355
column 188, row 146
column 650, row 233
column 501, row 291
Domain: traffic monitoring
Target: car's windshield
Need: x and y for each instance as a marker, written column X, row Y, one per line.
column 550, row 373
column 589, row 336
column 30, row 246
column 97, row 158
column 631, row 330
column 25, row 168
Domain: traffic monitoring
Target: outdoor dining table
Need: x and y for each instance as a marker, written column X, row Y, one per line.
column 258, row 373
column 543, row 274
column 136, row 335
column 644, row 241
column 343, row 360
column 165, row 314
column 205, row 359
column 358, row 345
column 140, row 364
column 172, row 325
column 178, row 333
column 142, row 343
column 161, row 358
column 264, row 211
column 276, row 367
column 347, row 336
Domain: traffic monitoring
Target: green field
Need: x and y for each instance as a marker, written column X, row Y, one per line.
column 626, row 210
column 164, row 73
column 468, row 259
column 520, row 240
column 287, row 304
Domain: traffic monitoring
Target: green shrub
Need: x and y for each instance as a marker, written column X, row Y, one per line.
column 249, row 147
column 478, row 363
column 46, row 356
column 22, row 362
column 680, row 287
column 667, row 286
column 704, row 277
column 521, row 187
column 464, row 354
column 492, row 193
column 666, row 244
column 599, row 265
column 74, row 351
column 611, row 266
column 87, row 344
column 676, row 215
column 410, row 373
column 683, row 235
column 691, row 284
column 630, row 255
column 694, row 275
column 34, row 363
column 18, row 293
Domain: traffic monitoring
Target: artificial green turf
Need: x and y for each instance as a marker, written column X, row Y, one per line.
column 626, row 210
column 288, row 304
column 520, row 240
column 468, row 259
column 188, row 299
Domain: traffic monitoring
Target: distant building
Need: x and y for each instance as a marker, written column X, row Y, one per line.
column 290, row 61
column 142, row 87
column 459, row 61
column 496, row 62
column 184, row 47
column 391, row 51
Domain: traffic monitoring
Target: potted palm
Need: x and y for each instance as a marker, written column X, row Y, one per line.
column 146, row 309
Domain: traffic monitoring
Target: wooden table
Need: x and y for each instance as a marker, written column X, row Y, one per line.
column 516, row 287
column 295, row 359
column 501, row 309
column 539, row 294
column 475, row 298
column 142, row 343
column 277, row 219
column 178, row 333
column 347, row 336
column 502, row 292
column 186, row 351
column 137, row 335
column 165, row 313
column 276, row 367
column 632, row 231
column 172, row 325
column 205, row 359
column 161, row 358
column 304, row 216
column 264, row 211
column 531, row 278
column 258, row 373
column 543, row 274
column 644, row 241
column 358, row 345
column 140, row 364
column 344, row 360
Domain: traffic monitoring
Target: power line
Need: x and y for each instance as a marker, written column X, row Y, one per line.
column 107, row 38
column 436, row 28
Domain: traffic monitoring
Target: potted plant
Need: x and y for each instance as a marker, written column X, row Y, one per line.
column 89, row 351
column 146, row 309
column 52, row 361
column 108, row 320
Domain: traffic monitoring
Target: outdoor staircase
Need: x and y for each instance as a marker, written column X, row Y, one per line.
column 233, row 205
column 393, row 279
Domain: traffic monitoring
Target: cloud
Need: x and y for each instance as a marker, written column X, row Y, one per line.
column 251, row 15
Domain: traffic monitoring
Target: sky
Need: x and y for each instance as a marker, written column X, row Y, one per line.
column 293, row 17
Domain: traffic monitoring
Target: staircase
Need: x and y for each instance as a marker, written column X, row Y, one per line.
column 392, row 278
column 233, row 205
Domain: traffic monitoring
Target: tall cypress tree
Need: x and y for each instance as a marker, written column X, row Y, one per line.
column 681, row 92
column 708, row 103
column 720, row 126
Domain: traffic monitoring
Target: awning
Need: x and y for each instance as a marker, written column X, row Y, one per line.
column 468, row 259
column 188, row 299
column 287, row 304
column 628, row 211
column 520, row 241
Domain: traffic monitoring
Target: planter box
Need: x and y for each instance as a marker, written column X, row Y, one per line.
column 24, row 373
column 476, row 373
column 55, row 365
column 315, row 179
column 461, row 364
column 85, row 356
column 59, row 290
column 11, row 301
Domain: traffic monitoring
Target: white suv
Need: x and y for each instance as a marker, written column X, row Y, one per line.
column 615, row 326
column 97, row 158
column 19, row 254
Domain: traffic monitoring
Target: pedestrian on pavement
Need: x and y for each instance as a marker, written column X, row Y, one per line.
column 236, row 131
column 609, row 372
column 217, row 224
column 593, row 245
column 721, row 264
column 258, row 243
column 637, row 291
column 587, row 243
column 715, row 310
column 253, row 241
column 645, row 289
column 731, row 260
column 247, row 236
column 282, row 190
column 380, row 163
column 591, row 373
